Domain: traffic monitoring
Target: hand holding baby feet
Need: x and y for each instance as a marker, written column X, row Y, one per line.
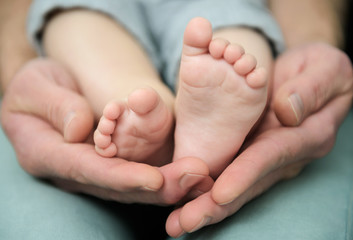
column 221, row 96
column 137, row 130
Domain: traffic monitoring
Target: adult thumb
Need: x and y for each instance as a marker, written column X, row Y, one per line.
column 310, row 90
column 41, row 88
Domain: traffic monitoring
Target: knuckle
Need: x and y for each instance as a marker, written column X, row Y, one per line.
column 340, row 66
column 347, row 72
column 285, row 153
column 73, row 173
column 292, row 172
column 171, row 199
column 318, row 95
column 327, row 142
column 30, row 166
column 110, row 195
column 75, row 176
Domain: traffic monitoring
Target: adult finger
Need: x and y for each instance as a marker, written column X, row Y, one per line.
column 179, row 179
column 184, row 179
column 277, row 148
column 45, row 89
column 204, row 211
column 194, row 215
column 277, row 154
column 308, row 83
column 43, row 152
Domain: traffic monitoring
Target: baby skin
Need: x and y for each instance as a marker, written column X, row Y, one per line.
column 221, row 95
column 137, row 130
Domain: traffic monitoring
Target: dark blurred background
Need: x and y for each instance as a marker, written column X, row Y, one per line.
column 349, row 31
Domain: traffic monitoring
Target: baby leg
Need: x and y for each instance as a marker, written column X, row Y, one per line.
column 109, row 64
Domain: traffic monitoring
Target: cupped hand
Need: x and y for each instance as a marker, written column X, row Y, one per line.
column 49, row 124
column 313, row 89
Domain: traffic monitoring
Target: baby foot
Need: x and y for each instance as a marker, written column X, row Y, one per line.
column 139, row 130
column 221, row 96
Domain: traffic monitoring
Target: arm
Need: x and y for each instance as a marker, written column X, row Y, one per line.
column 14, row 47
column 326, row 18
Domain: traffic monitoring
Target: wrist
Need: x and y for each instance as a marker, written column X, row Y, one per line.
column 330, row 31
column 311, row 26
column 329, row 36
column 15, row 50
column 14, row 53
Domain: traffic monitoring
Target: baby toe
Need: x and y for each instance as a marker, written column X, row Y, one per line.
column 233, row 52
column 245, row 64
column 217, row 47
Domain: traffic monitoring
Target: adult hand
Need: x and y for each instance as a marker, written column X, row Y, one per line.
column 47, row 121
column 313, row 88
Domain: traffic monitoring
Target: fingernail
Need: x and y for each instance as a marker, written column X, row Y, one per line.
column 189, row 180
column 67, row 120
column 148, row 189
column 205, row 221
column 297, row 106
column 180, row 234
column 227, row 202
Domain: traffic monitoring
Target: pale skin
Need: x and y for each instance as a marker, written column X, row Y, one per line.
column 325, row 90
column 235, row 83
column 333, row 105
column 141, row 128
column 74, row 167
column 221, row 94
